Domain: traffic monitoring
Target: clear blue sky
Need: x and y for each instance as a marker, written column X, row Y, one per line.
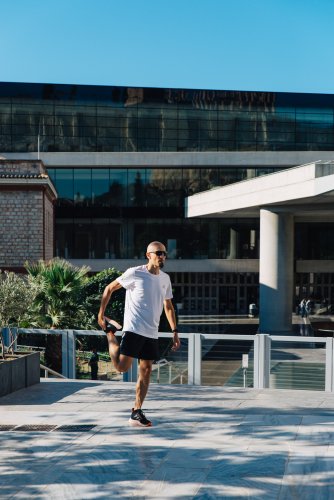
column 273, row 45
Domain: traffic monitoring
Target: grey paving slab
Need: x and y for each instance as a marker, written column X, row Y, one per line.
column 206, row 442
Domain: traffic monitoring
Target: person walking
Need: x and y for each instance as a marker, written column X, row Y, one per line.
column 148, row 292
column 94, row 364
column 303, row 308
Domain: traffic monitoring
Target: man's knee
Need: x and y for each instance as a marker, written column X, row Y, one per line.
column 146, row 370
column 124, row 363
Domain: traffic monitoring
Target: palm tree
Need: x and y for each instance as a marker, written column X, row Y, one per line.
column 57, row 306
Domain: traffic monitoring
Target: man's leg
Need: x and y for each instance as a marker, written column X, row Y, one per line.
column 121, row 362
column 144, row 375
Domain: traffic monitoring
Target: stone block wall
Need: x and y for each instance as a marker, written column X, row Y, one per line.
column 26, row 213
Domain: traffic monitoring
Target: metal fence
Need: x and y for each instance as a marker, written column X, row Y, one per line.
column 258, row 361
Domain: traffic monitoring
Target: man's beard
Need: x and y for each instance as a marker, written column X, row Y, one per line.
column 161, row 265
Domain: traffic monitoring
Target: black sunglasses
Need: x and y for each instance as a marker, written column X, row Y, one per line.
column 160, row 253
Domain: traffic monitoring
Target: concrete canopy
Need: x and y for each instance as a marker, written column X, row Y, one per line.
column 300, row 190
column 278, row 199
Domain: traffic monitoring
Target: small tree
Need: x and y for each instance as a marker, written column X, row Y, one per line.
column 15, row 294
column 57, row 303
column 91, row 295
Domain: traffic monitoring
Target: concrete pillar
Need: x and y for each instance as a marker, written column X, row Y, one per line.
column 276, row 271
column 233, row 244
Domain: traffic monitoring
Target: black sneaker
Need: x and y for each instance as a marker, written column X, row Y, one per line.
column 138, row 419
column 112, row 326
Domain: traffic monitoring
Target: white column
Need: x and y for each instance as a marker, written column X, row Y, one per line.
column 276, row 271
column 233, row 244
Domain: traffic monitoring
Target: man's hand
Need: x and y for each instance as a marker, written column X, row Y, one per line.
column 109, row 325
column 102, row 322
column 176, row 342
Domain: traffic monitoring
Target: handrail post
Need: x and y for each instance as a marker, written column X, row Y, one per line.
column 194, row 359
column 329, row 368
column 262, row 355
column 256, row 362
column 68, row 354
column 197, row 359
column 191, row 360
column 71, row 354
column 64, row 356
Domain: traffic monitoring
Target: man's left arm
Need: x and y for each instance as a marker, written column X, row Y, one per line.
column 171, row 317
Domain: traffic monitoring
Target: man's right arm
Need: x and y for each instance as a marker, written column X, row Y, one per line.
column 108, row 291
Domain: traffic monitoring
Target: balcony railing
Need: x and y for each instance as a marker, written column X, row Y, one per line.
column 259, row 361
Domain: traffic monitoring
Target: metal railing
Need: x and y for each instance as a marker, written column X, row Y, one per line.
column 259, row 361
column 48, row 371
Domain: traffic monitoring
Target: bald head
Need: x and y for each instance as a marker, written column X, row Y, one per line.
column 154, row 246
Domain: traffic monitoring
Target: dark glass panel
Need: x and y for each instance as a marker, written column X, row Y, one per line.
column 100, row 187
column 155, row 190
column 5, row 129
column 26, row 107
column 5, row 143
column 209, row 178
column 66, row 144
column 74, row 110
column 64, row 186
column 67, row 125
column 52, row 174
column 5, row 108
column 191, row 181
column 82, row 187
column 33, row 120
column 145, row 231
column 169, row 145
column 173, row 190
column 24, row 143
column 64, row 236
column 148, row 145
column 164, row 188
column 283, row 136
column 192, row 242
column 314, row 241
column 83, row 244
column 128, row 143
column 30, row 129
column 113, row 144
column 106, row 239
column 118, row 187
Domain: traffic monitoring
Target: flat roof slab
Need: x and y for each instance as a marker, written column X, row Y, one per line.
column 300, row 190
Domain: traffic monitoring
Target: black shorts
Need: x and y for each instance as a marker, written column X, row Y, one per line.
column 140, row 347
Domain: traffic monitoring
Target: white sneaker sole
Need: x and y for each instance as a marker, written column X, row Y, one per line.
column 136, row 423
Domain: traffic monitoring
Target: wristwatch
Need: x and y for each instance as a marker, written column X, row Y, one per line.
column 175, row 330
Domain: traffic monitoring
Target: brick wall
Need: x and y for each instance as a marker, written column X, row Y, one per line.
column 26, row 214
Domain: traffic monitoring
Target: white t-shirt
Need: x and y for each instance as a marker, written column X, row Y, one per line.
column 145, row 295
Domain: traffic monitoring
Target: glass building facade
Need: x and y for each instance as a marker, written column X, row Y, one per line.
column 97, row 118
column 111, row 212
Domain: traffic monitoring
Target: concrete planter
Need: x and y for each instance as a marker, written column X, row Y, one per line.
column 19, row 371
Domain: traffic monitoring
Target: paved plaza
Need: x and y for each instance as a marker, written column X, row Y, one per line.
column 71, row 440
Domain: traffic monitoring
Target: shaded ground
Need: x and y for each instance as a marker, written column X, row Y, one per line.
column 206, row 442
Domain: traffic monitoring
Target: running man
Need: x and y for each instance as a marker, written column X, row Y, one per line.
column 148, row 291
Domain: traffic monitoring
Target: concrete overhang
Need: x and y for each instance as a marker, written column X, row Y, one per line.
column 172, row 159
column 306, row 191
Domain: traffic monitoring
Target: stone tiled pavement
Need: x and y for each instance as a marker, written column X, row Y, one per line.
column 206, row 442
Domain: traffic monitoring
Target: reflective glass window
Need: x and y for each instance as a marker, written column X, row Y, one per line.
column 118, row 187
column 64, row 185
column 100, row 187
column 82, row 186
